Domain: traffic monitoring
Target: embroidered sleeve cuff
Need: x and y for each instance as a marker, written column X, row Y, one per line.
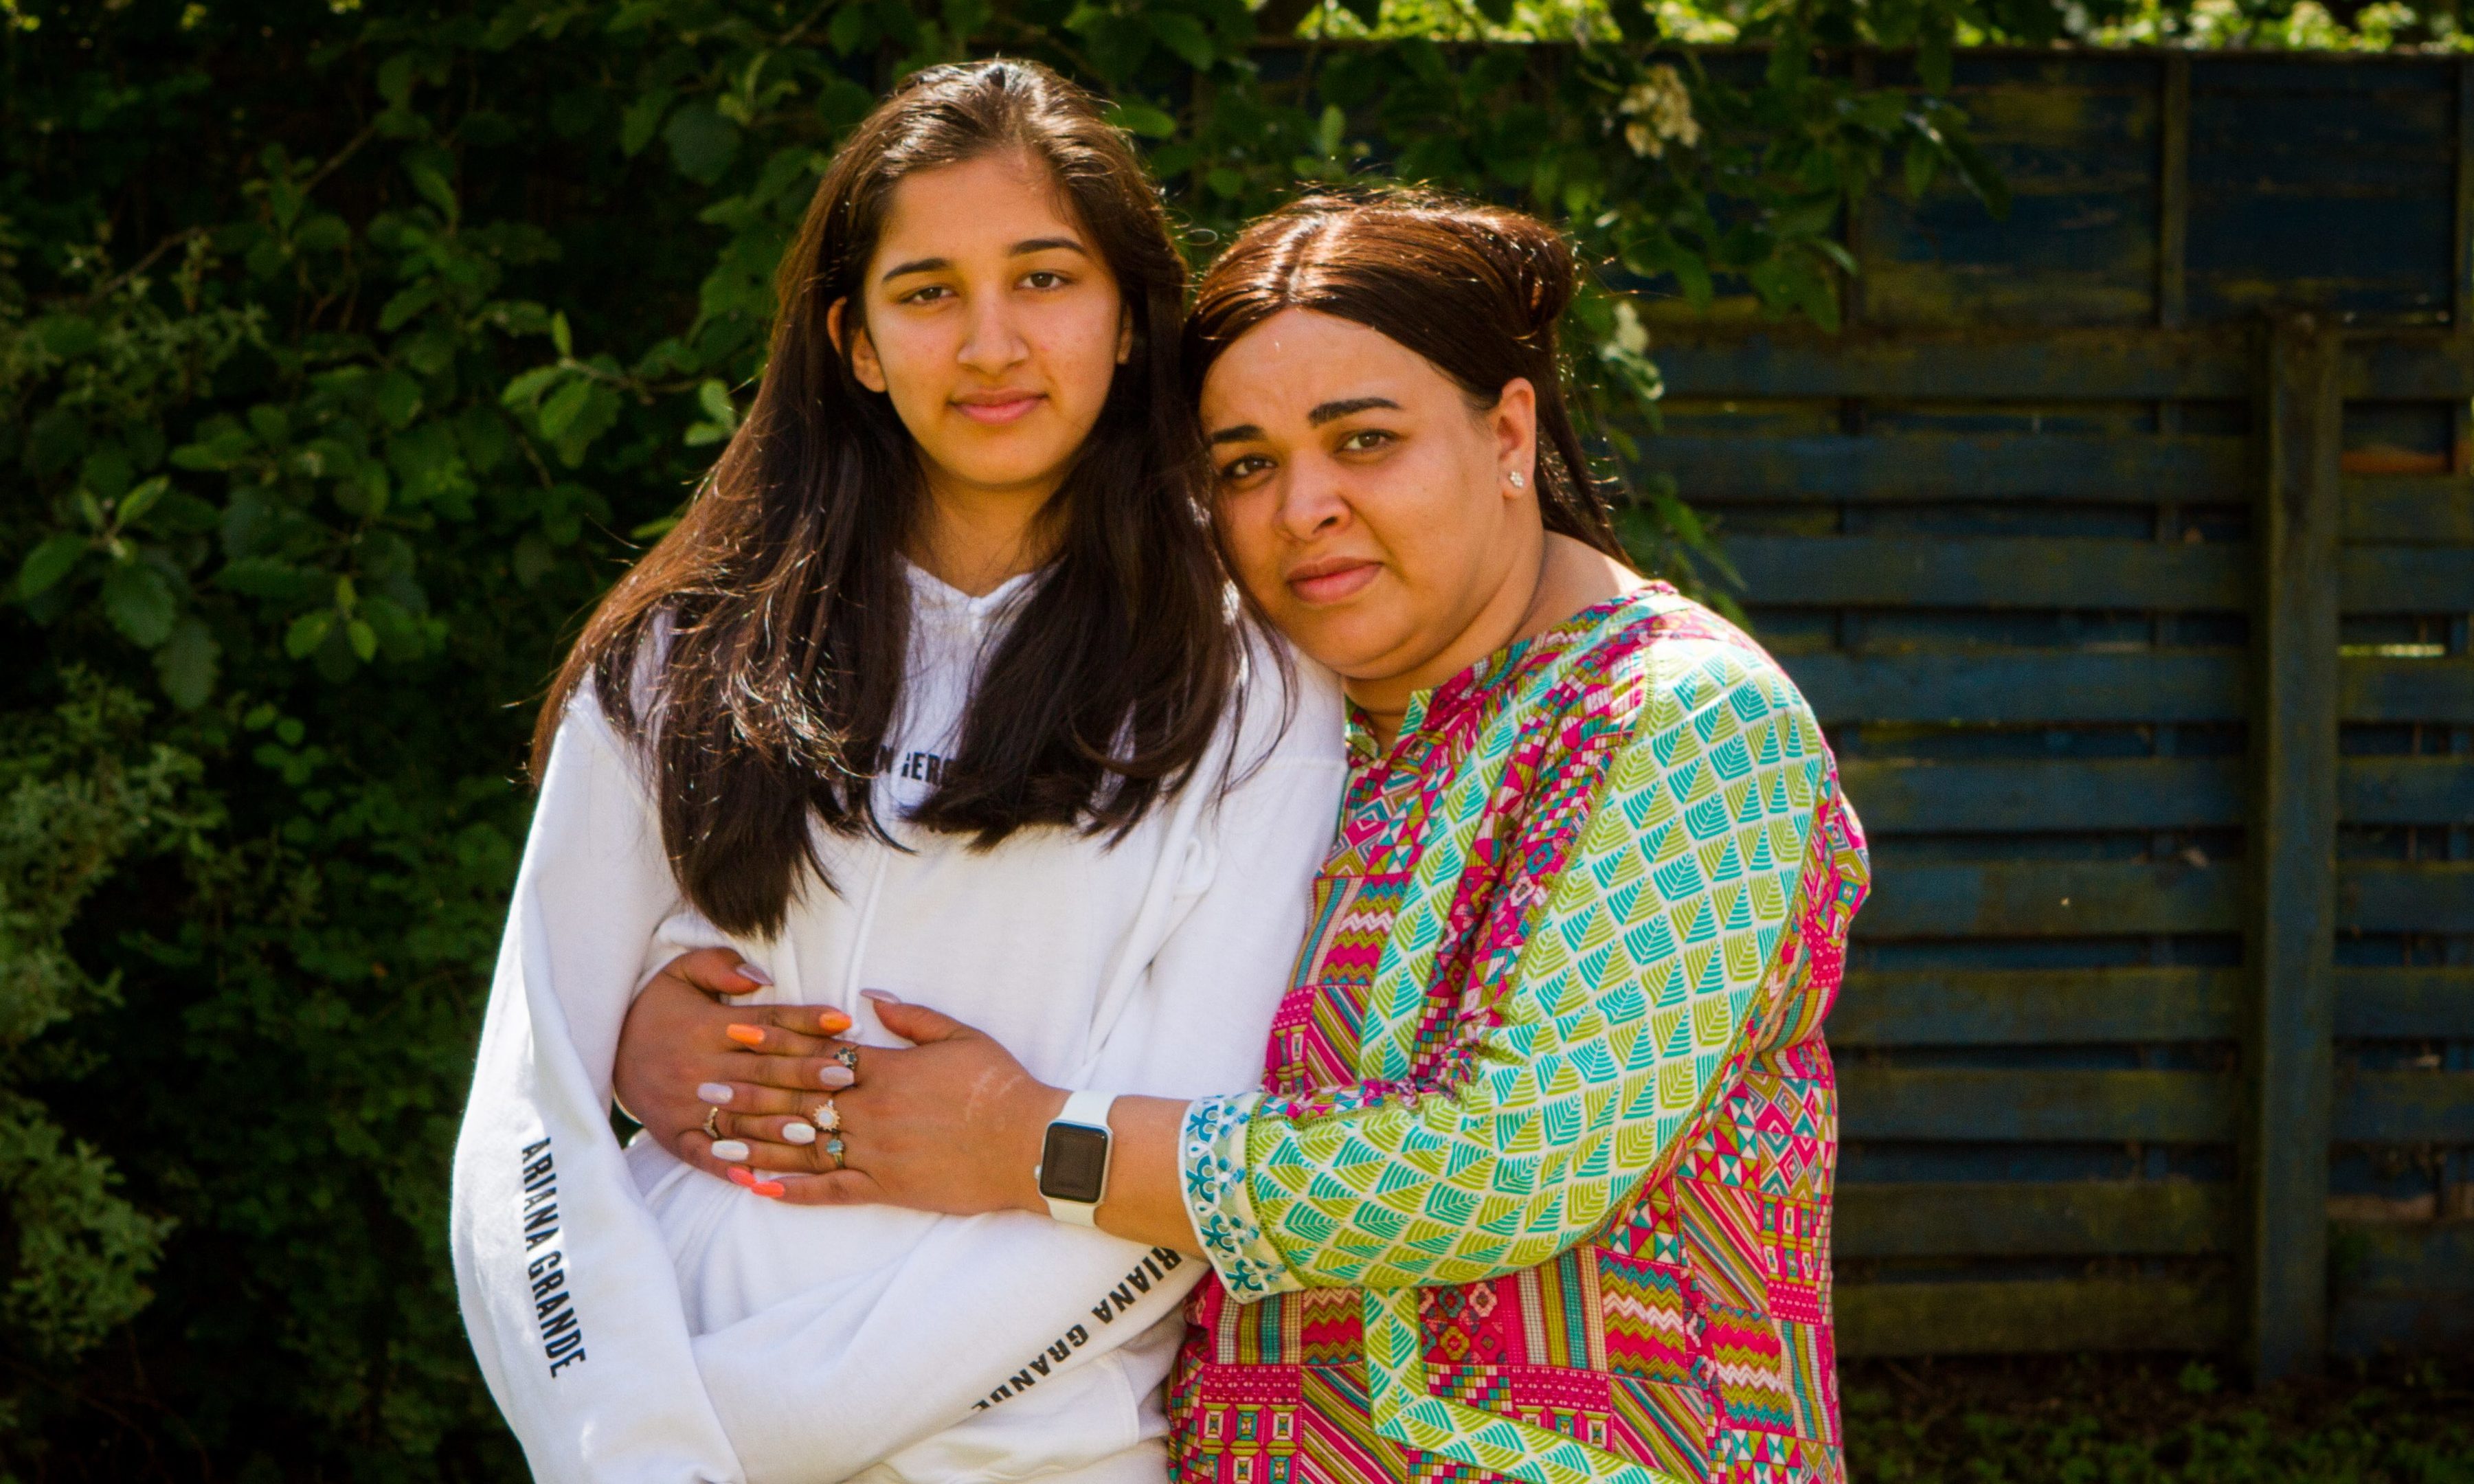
column 1220, row 1203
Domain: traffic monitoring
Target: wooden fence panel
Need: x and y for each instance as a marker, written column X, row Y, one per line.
column 2126, row 549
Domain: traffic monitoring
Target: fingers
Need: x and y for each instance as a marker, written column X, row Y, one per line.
column 835, row 1187
column 916, row 1024
column 750, row 1029
column 717, row 971
column 796, row 1129
column 801, row 1074
column 753, row 1100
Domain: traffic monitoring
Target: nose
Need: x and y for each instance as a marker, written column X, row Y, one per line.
column 1312, row 501
column 993, row 343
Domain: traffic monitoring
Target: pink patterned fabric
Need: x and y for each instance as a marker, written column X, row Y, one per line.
column 1690, row 1333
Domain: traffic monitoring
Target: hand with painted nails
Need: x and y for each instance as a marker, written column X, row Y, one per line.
column 759, row 1071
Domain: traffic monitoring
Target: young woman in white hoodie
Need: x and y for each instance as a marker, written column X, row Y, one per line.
column 938, row 683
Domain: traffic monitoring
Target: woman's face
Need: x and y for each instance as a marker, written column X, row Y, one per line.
column 1364, row 505
column 992, row 322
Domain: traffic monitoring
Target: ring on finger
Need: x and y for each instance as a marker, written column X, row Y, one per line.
column 712, row 1122
column 833, row 1147
column 826, row 1117
column 848, row 1057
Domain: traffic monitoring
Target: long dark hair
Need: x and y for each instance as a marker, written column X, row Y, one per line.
column 783, row 587
column 1477, row 290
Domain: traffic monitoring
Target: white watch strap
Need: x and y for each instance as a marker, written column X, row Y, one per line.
column 1090, row 1110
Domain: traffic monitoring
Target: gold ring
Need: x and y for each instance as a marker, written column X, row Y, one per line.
column 826, row 1117
column 712, row 1122
column 833, row 1147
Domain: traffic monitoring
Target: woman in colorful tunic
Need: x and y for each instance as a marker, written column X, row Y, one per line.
column 1537, row 1183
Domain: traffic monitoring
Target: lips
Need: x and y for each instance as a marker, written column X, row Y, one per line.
column 995, row 408
column 1331, row 579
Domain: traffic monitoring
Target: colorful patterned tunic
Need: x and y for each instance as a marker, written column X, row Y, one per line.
column 1538, row 1184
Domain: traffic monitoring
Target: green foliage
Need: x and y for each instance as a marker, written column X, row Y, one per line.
column 345, row 348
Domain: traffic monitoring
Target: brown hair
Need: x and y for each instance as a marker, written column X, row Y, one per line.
column 1477, row 290
column 783, row 587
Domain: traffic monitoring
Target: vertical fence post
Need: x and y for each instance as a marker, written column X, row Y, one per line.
column 2287, row 1052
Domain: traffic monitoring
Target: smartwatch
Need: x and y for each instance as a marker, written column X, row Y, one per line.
column 1073, row 1168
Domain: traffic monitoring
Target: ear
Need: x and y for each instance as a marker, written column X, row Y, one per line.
column 1513, row 420
column 859, row 351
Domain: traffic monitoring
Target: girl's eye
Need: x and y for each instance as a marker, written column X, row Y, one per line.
column 1044, row 277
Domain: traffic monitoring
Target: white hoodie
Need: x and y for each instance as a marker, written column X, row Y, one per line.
column 638, row 1320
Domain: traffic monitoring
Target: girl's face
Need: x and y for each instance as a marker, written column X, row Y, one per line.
column 992, row 322
column 1363, row 503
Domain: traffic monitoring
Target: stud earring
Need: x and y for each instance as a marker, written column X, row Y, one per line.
column 1519, row 482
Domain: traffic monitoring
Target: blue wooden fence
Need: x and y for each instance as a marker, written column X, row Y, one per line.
column 2126, row 547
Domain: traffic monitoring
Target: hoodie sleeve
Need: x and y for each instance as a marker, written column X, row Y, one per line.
column 566, row 1286
column 916, row 1371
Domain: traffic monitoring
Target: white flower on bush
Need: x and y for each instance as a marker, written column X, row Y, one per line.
column 1659, row 109
column 1631, row 337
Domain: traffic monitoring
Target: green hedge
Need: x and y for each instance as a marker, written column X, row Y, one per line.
column 346, row 350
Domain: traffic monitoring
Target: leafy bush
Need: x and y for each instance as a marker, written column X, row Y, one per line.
column 345, row 348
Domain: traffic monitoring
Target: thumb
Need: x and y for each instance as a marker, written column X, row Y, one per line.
column 916, row 1024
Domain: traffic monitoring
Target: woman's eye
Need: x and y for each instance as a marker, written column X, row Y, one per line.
column 1364, row 440
column 928, row 294
column 1243, row 468
column 1044, row 277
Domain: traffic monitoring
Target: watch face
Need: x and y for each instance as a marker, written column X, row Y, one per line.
column 1073, row 1163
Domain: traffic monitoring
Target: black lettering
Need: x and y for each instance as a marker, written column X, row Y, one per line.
column 1060, row 1351
column 534, row 1148
column 1170, row 1258
column 555, row 1303
column 1040, row 1363
column 542, row 1264
column 573, row 1340
column 1123, row 1296
column 544, row 1287
column 1140, row 1279
column 1101, row 1313
column 1078, row 1335
column 1024, row 1381
column 564, row 1361
column 537, row 1172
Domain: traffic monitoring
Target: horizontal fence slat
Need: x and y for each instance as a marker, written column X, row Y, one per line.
column 1979, row 1104
column 2405, row 1108
column 2402, row 367
column 2035, row 1007
column 2419, row 1256
column 2401, row 1286
column 1926, row 467
column 2066, row 793
column 2405, row 579
column 2405, row 1004
column 2043, row 898
column 2398, row 790
column 2439, row 691
column 2436, row 509
column 2423, row 897
column 2059, row 365
column 1993, row 573
column 2066, row 1218
column 2015, row 686
column 2060, row 1315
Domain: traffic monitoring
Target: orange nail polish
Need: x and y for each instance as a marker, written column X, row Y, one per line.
column 771, row 1189
column 834, row 1021
column 740, row 1176
column 746, row 1035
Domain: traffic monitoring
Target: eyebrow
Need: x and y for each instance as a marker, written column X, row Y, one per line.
column 1330, row 410
column 1324, row 412
column 1023, row 248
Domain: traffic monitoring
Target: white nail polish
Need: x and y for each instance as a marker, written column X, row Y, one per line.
column 714, row 1093
column 836, row 1077
column 801, row 1133
column 756, row 972
column 729, row 1150
column 884, row 996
